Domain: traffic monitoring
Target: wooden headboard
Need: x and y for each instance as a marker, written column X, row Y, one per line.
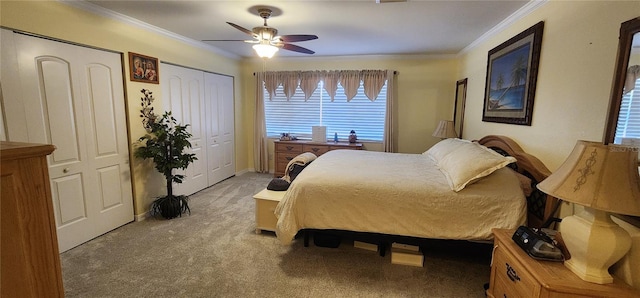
column 540, row 205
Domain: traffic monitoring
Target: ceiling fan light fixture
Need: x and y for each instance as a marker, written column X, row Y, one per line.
column 265, row 50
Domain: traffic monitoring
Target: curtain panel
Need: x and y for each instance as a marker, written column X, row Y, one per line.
column 389, row 122
column 260, row 147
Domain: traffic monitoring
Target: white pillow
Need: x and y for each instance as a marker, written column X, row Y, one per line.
column 470, row 162
column 444, row 147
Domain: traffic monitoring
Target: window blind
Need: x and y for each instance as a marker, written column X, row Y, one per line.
column 629, row 117
column 297, row 116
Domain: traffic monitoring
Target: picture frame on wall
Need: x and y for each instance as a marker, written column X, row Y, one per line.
column 458, row 109
column 143, row 68
column 512, row 71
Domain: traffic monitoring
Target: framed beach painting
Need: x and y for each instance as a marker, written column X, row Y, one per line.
column 143, row 68
column 512, row 70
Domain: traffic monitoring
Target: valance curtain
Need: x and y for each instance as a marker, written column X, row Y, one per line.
column 331, row 79
column 373, row 81
column 290, row 81
column 350, row 82
column 309, row 83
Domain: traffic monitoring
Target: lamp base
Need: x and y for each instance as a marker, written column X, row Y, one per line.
column 595, row 243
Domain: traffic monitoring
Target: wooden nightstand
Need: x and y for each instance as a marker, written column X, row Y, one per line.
column 515, row 274
column 266, row 202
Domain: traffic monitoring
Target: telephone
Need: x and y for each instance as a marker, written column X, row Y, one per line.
column 537, row 244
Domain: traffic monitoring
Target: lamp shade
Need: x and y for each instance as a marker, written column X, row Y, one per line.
column 265, row 50
column 445, row 130
column 602, row 177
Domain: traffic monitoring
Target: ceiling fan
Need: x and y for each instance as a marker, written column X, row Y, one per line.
column 266, row 40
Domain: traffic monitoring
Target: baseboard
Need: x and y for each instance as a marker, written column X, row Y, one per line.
column 143, row 216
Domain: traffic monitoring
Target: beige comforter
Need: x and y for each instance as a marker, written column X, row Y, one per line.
column 399, row 194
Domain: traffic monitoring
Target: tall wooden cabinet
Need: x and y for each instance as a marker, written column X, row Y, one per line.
column 29, row 257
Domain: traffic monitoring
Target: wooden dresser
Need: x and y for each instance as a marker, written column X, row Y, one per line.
column 285, row 151
column 29, row 255
column 516, row 274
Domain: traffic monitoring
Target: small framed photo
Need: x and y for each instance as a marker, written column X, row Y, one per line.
column 512, row 71
column 143, row 68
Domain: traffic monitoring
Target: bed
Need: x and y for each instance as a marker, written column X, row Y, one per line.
column 455, row 190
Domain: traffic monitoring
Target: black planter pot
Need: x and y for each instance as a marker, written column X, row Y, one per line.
column 170, row 206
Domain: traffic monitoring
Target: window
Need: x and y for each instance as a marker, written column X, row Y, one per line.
column 629, row 116
column 296, row 116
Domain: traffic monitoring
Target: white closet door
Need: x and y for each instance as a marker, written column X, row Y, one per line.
column 220, row 126
column 182, row 94
column 72, row 97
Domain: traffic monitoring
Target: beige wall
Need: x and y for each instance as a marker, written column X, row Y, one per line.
column 57, row 20
column 579, row 48
column 577, row 61
column 426, row 90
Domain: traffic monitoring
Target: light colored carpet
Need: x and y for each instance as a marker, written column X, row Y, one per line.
column 214, row 252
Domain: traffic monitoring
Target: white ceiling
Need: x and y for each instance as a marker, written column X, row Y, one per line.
column 356, row 27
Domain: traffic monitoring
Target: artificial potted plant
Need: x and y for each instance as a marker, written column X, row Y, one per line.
column 165, row 143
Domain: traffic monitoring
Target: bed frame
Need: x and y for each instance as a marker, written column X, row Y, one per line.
column 541, row 207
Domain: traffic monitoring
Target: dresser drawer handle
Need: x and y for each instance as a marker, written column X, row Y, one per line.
column 511, row 273
column 315, row 149
column 289, row 148
column 289, row 158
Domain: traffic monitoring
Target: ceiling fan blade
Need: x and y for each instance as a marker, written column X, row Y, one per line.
column 297, row 37
column 245, row 30
column 295, row 48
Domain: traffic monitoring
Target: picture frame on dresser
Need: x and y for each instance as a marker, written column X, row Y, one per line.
column 512, row 70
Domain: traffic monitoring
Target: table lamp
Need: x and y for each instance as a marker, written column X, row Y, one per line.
column 445, row 130
column 604, row 179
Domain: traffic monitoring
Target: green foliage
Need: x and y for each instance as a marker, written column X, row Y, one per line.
column 164, row 143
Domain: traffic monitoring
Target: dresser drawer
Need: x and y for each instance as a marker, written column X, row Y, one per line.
column 500, row 288
column 511, row 279
column 285, row 157
column 289, row 148
column 316, row 149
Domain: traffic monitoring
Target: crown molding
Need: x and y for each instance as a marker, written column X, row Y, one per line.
column 510, row 20
column 98, row 10
column 358, row 57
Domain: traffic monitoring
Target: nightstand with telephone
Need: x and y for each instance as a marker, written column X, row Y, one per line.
column 514, row 273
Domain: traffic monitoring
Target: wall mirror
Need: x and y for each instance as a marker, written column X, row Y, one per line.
column 623, row 120
column 458, row 111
